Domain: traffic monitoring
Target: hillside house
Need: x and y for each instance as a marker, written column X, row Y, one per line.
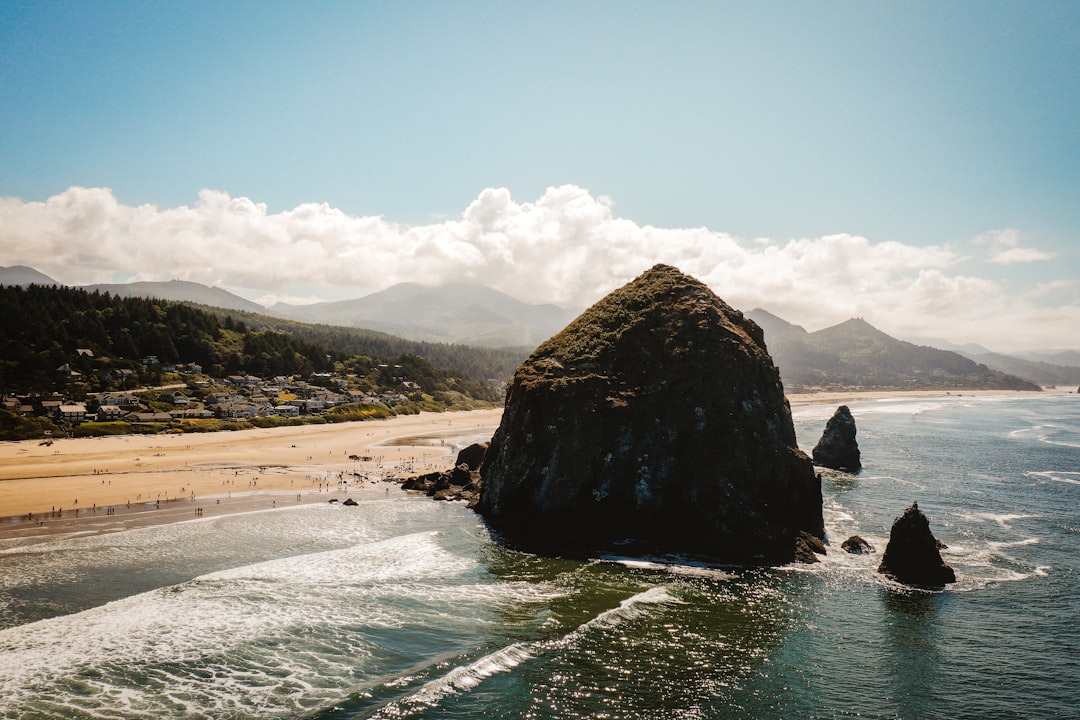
column 190, row 413
column 120, row 400
column 106, row 413
column 176, row 398
column 150, row 417
column 224, row 398
column 67, row 373
column 72, row 413
column 234, row 411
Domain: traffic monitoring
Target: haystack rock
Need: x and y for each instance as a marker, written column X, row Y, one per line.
column 837, row 448
column 654, row 423
column 912, row 555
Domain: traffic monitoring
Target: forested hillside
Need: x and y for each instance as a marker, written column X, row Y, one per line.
column 477, row 363
column 49, row 328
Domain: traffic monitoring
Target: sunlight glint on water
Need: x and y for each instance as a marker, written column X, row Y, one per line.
column 405, row 608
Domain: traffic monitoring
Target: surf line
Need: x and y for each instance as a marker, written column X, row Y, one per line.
column 466, row 677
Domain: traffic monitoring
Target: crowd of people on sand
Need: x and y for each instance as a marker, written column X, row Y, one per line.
column 361, row 468
column 328, row 481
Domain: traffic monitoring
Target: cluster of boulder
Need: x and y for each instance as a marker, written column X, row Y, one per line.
column 461, row 482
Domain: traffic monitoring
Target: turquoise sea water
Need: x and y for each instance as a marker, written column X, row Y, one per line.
column 404, row 608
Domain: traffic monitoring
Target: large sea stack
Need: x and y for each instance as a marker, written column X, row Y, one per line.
column 654, row 423
column 837, row 448
column 913, row 556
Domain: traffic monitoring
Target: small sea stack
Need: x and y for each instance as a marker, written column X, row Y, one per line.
column 655, row 423
column 837, row 448
column 913, row 555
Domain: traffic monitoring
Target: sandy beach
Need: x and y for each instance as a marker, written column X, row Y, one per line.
column 103, row 484
column 98, row 484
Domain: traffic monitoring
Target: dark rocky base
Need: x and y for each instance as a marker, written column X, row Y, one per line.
column 462, row 482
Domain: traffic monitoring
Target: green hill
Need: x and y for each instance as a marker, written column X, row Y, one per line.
column 54, row 335
column 856, row 355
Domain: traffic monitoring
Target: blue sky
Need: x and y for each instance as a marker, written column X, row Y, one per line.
column 933, row 125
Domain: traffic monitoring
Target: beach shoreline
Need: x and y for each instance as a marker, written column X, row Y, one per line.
column 108, row 483
column 104, row 484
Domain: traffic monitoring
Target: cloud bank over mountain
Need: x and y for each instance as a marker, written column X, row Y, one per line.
column 567, row 248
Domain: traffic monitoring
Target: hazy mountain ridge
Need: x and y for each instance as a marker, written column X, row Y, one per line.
column 22, row 275
column 1044, row 373
column 179, row 291
column 481, row 363
column 463, row 313
column 855, row 354
column 453, row 317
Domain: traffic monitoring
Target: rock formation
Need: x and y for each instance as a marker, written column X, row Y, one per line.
column 912, row 556
column 856, row 546
column 837, row 448
column 808, row 547
column 655, row 422
column 462, row 482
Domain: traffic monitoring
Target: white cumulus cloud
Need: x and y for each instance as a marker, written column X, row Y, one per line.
column 567, row 247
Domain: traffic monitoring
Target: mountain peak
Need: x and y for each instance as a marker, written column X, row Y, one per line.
column 23, row 275
column 773, row 325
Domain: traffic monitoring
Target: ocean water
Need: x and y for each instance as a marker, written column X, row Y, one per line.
column 404, row 608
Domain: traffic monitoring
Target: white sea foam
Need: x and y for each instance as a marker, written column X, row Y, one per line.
column 466, row 677
column 1015, row 543
column 253, row 635
column 890, row 406
column 1004, row 520
column 1050, row 433
column 674, row 567
column 1060, row 476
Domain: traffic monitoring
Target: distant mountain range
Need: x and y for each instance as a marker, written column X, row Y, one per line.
column 22, row 275
column 462, row 313
column 854, row 354
column 851, row 354
column 180, row 291
column 1044, row 373
column 459, row 313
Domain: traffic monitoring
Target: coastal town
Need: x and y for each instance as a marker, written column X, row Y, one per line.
column 187, row 395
